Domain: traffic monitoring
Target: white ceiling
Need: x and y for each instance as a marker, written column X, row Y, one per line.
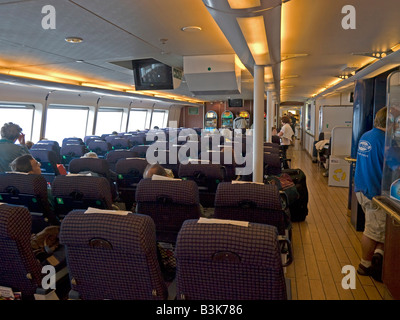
column 121, row 30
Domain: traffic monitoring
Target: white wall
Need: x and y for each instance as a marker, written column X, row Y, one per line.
column 335, row 99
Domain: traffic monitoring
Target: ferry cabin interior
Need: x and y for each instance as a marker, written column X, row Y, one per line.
column 67, row 68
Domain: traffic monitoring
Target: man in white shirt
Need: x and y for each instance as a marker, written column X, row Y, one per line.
column 285, row 134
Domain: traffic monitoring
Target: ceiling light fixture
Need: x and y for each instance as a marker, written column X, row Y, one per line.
column 191, row 29
column 244, row 4
column 376, row 55
column 253, row 30
column 73, row 39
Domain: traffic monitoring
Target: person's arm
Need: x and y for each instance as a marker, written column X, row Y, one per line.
column 21, row 139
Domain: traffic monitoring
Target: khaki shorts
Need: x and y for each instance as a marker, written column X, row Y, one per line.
column 375, row 218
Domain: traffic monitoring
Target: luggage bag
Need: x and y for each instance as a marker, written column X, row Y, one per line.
column 299, row 208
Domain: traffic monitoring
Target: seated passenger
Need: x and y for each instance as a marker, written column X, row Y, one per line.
column 9, row 151
column 157, row 169
column 28, row 164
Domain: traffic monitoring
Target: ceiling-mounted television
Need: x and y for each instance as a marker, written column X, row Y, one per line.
column 238, row 103
column 150, row 74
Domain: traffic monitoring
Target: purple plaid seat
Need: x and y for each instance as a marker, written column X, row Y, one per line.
column 19, row 268
column 272, row 163
column 80, row 192
column 112, row 256
column 251, row 202
column 29, row 190
column 207, row 177
column 169, row 203
column 129, row 172
column 229, row 262
column 97, row 166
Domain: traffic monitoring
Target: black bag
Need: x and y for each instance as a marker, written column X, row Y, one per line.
column 299, row 208
column 285, row 184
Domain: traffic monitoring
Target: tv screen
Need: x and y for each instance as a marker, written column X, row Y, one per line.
column 150, row 74
column 235, row 103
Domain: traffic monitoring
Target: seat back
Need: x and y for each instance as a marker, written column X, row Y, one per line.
column 114, row 155
column 112, row 256
column 130, row 172
column 29, row 190
column 89, row 138
column 258, row 203
column 169, row 203
column 207, row 177
column 48, row 162
column 94, row 165
column 48, row 145
column 80, row 192
column 272, row 163
column 119, row 143
column 100, row 147
column 72, row 140
column 136, row 140
column 219, row 261
column 72, row 151
column 19, row 269
column 140, row 151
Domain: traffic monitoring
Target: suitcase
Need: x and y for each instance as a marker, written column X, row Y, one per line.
column 299, row 208
column 285, row 184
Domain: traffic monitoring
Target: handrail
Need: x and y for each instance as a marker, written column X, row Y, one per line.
column 386, row 204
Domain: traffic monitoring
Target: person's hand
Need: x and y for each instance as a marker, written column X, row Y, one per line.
column 21, row 138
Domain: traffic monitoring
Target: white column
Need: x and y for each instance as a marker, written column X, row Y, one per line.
column 258, row 124
column 270, row 116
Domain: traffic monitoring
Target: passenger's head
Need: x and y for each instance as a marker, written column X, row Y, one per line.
column 380, row 118
column 10, row 131
column 154, row 169
column 90, row 155
column 285, row 119
column 29, row 144
column 27, row 164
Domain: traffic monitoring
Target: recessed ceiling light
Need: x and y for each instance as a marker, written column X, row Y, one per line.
column 73, row 39
column 191, row 29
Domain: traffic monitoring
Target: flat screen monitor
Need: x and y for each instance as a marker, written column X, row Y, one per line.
column 235, row 103
column 150, row 74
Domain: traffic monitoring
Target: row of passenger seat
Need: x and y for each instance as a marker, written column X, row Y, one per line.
column 113, row 255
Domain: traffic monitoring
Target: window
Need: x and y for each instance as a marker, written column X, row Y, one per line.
column 21, row 115
column 109, row 120
column 138, row 119
column 160, row 118
column 65, row 122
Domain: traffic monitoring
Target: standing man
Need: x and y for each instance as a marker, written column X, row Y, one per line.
column 285, row 134
column 9, row 151
column 240, row 123
column 367, row 180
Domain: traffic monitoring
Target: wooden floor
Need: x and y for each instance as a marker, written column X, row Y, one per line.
column 325, row 242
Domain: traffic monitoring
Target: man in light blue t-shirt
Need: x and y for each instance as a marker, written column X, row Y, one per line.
column 367, row 181
column 9, row 151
